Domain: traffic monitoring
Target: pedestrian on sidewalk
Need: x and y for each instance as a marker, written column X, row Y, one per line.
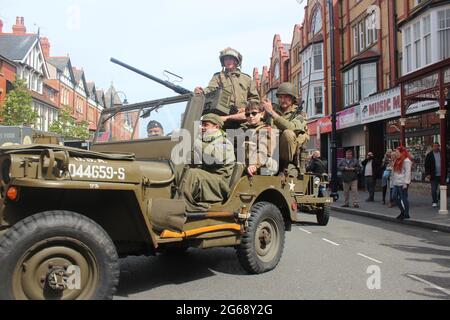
column 401, row 179
column 350, row 169
column 386, row 178
column 433, row 171
column 370, row 169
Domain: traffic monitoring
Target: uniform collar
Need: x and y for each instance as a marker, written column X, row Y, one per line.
column 237, row 73
column 212, row 136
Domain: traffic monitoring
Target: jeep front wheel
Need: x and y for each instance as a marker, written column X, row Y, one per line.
column 262, row 245
column 323, row 216
column 57, row 255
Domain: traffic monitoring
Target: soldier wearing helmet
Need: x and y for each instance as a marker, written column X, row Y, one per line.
column 291, row 121
column 231, row 78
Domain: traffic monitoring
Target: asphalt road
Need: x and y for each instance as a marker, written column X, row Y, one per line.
column 352, row 258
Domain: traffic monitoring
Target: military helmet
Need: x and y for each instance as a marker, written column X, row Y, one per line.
column 213, row 118
column 231, row 53
column 287, row 88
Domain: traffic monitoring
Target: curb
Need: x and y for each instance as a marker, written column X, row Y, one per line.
column 410, row 222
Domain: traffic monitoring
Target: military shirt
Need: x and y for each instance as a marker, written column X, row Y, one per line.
column 217, row 154
column 240, row 85
column 265, row 144
column 289, row 121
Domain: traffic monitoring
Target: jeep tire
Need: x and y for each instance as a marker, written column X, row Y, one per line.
column 262, row 245
column 57, row 255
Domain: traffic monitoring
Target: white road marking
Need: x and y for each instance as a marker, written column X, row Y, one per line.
column 305, row 231
column 329, row 241
column 447, row 292
column 367, row 257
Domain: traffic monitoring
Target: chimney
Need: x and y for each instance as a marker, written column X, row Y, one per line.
column 19, row 27
column 1, row 26
column 45, row 44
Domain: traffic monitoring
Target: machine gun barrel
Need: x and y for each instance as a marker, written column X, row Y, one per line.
column 176, row 88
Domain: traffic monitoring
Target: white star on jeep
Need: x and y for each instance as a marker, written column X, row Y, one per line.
column 292, row 186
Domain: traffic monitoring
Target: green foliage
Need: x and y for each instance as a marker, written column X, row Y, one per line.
column 67, row 127
column 17, row 109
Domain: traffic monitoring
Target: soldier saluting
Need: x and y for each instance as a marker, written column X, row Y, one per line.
column 291, row 122
column 232, row 79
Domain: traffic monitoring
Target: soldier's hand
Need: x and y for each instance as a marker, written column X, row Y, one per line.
column 267, row 105
column 199, row 90
column 251, row 170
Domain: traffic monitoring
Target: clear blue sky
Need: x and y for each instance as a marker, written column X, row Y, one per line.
column 182, row 36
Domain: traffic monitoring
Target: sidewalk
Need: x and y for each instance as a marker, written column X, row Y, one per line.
column 421, row 212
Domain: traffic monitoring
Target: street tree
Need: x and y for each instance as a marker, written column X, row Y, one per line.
column 68, row 127
column 17, row 109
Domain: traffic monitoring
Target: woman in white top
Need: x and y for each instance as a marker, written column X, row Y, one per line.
column 400, row 181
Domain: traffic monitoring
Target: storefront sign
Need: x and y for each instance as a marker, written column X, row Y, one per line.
column 348, row 118
column 325, row 124
column 387, row 105
column 312, row 128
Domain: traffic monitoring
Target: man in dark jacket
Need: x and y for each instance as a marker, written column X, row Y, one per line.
column 433, row 171
column 316, row 165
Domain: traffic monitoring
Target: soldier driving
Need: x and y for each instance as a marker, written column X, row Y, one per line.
column 155, row 129
column 240, row 85
column 292, row 124
column 209, row 182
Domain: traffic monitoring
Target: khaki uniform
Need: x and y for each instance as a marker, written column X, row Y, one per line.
column 259, row 152
column 294, row 135
column 240, row 85
column 209, row 183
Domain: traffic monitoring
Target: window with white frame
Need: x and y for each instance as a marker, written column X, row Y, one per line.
column 417, row 45
column 365, row 33
column 316, row 22
column 318, row 57
column 359, row 83
column 318, row 101
column 276, row 71
column 444, row 33
column 408, row 49
column 368, row 79
column 427, row 39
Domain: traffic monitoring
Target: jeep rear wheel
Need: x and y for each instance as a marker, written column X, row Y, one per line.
column 262, row 245
column 57, row 255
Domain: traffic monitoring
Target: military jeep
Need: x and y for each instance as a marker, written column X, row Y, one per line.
column 67, row 215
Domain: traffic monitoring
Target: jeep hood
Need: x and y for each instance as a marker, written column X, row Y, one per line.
column 38, row 148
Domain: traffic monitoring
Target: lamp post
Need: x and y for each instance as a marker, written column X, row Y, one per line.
column 334, row 176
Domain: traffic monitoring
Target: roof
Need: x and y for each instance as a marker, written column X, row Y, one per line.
column 59, row 62
column 3, row 58
column 100, row 97
column 78, row 74
column 16, row 47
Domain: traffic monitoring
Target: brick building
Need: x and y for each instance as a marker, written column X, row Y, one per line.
column 7, row 77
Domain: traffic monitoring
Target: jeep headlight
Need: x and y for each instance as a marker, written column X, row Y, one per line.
column 317, row 181
column 6, row 171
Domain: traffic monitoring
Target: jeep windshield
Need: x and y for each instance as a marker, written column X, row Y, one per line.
column 142, row 121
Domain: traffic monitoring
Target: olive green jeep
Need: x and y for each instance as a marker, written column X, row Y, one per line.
column 67, row 215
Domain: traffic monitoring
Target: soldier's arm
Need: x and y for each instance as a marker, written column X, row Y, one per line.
column 213, row 85
column 298, row 125
column 252, row 94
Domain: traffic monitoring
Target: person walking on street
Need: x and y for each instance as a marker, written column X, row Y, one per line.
column 371, row 169
column 401, row 179
column 350, row 168
column 433, row 171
